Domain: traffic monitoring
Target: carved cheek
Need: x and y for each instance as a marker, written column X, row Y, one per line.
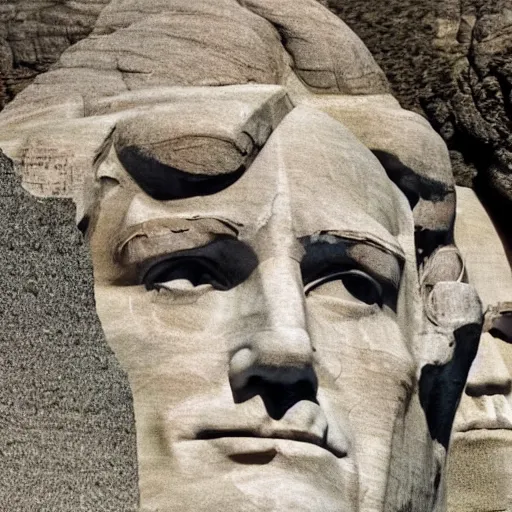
column 367, row 373
column 144, row 329
column 338, row 328
column 360, row 357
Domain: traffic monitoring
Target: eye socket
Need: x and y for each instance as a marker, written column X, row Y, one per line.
column 352, row 285
column 223, row 264
column 196, row 270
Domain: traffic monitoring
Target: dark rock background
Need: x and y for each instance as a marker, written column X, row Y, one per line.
column 67, row 431
column 451, row 60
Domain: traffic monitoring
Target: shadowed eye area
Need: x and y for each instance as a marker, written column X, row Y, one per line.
column 197, row 271
column 350, row 271
column 353, row 285
column 223, row 264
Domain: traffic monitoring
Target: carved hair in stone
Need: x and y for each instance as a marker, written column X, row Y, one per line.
column 272, row 238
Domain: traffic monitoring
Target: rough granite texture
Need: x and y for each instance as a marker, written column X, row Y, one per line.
column 451, row 60
column 33, row 34
column 67, row 438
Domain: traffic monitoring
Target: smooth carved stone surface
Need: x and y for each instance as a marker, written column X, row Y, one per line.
column 158, row 328
column 274, row 265
column 480, row 471
column 68, row 433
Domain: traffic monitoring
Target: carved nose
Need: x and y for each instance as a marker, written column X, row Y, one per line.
column 283, row 357
column 276, row 365
column 489, row 374
column 276, row 361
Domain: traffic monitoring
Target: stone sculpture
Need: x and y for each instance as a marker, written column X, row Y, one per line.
column 450, row 60
column 479, row 475
column 272, row 240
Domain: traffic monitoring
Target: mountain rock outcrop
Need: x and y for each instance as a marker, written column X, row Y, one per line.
column 33, row 34
column 451, row 61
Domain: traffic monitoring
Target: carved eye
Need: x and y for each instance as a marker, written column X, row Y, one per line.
column 196, row 271
column 223, row 264
column 353, row 285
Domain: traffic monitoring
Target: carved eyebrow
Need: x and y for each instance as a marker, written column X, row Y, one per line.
column 165, row 182
column 198, row 148
column 329, row 250
column 157, row 237
column 390, row 245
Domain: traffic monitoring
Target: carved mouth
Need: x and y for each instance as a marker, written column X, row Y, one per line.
column 301, row 437
column 484, row 413
column 486, row 424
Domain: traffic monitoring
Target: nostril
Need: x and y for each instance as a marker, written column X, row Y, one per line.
column 277, row 397
column 280, row 398
column 277, row 365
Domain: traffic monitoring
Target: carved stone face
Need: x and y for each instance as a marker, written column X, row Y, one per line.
column 257, row 271
column 480, row 473
column 268, row 328
column 479, row 470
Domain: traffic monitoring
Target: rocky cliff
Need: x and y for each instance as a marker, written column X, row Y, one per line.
column 33, row 34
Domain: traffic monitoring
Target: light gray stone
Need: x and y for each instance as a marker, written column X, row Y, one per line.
column 479, row 470
column 68, row 431
column 274, row 264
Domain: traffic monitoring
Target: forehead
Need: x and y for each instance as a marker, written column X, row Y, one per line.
column 313, row 174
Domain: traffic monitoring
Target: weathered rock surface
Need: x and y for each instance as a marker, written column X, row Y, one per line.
column 67, row 438
column 451, row 61
column 446, row 59
column 33, row 34
column 138, row 47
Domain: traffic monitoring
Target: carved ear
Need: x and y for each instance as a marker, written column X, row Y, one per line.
column 327, row 55
column 498, row 321
column 453, row 324
column 445, row 264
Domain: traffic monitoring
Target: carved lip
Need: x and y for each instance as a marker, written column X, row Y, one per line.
column 488, row 412
column 485, row 424
column 287, row 435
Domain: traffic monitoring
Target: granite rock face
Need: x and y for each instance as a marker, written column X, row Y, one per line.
column 33, row 34
column 480, row 473
column 451, row 61
column 67, row 430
